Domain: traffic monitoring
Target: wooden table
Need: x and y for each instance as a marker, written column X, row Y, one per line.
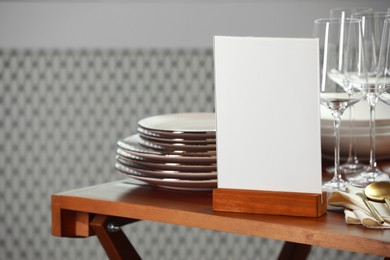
column 101, row 210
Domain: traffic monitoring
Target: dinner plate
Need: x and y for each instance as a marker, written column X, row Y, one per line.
column 362, row 146
column 180, row 135
column 329, row 123
column 131, row 144
column 185, row 167
column 136, row 143
column 171, row 183
column 386, row 169
column 177, row 146
column 176, row 140
column 166, row 173
column 361, row 112
column 181, row 123
column 356, row 131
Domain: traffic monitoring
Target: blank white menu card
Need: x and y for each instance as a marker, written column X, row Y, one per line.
column 268, row 114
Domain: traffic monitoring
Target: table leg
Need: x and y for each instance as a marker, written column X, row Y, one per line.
column 113, row 240
column 294, row 251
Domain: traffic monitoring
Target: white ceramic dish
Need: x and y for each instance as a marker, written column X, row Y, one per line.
column 362, row 146
column 132, row 146
column 177, row 146
column 153, row 138
column 148, row 172
column 347, row 131
column 361, row 115
column 345, row 124
column 181, row 122
column 166, row 166
column 177, row 135
column 361, row 129
column 171, row 183
column 361, row 112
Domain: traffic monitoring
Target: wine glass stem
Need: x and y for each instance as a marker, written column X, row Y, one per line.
column 352, row 158
column 372, row 100
column 337, row 122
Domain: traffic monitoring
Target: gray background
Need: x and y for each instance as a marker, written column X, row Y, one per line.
column 77, row 76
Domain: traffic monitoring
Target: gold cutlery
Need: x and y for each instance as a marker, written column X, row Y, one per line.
column 371, row 207
column 379, row 191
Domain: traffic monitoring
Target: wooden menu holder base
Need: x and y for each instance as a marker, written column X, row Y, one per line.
column 269, row 202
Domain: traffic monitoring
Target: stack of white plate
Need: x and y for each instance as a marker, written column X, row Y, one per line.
column 360, row 129
column 176, row 151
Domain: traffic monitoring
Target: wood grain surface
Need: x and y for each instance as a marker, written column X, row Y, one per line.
column 131, row 200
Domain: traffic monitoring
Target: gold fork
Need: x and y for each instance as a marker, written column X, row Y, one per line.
column 371, row 207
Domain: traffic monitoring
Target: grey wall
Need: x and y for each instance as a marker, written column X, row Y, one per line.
column 158, row 23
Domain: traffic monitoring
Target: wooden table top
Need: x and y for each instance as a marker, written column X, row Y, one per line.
column 132, row 200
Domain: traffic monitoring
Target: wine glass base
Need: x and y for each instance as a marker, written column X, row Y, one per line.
column 364, row 178
column 352, row 168
column 334, row 185
column 349, row 168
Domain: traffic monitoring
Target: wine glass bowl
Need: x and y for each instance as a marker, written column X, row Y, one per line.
column 338, row 102
column 346, row 12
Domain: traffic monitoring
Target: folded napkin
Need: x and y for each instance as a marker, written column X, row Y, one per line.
column 356, row 211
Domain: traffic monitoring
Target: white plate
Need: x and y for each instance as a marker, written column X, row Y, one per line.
column 169, row 182
column 177, row 146
column 356, row 131
column 361, row 112
column 130, row 167
column 179, row 135
column 154, row 138
column 181, row 123
column 172, row 166
column 380, row 123
column 362, row 146
column 386, row 169
column 131, row 144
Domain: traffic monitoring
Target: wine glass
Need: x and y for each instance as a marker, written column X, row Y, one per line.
column 372, row 24
column 352, row 164
column 335, row 94
column 383, row 78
